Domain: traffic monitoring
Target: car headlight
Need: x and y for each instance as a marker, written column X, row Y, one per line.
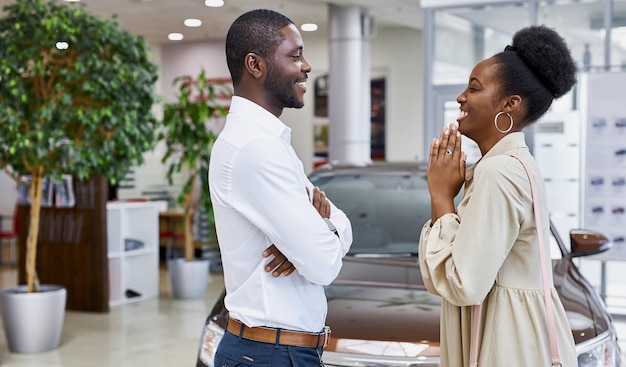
column 211, row 337
column 601, row 351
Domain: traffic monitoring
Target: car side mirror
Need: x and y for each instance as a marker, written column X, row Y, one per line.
column 585, row 242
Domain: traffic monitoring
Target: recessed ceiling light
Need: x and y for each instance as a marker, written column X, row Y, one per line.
column 214, row 3
column 309, row 27
column 193, row 22
column 175, row 36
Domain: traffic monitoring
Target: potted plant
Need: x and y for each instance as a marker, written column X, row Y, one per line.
column 76, row 94
column 188, row 137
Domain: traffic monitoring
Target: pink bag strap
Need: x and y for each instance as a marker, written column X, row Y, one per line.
column 547, row 294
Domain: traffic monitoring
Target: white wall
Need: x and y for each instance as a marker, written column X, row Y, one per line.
column 8, row 194
column 188, row 59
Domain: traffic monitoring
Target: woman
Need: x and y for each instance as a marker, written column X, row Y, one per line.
column 486, row 253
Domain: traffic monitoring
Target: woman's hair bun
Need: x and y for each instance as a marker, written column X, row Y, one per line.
column 545, row 52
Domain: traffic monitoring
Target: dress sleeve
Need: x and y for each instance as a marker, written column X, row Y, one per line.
column 460, row 256
column 435, row 248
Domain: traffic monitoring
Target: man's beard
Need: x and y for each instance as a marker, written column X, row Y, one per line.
column 282, row 91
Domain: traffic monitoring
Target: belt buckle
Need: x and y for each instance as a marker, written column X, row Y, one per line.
column 326, row 335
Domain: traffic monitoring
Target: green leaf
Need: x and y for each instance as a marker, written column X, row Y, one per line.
column 81, row 96
column 187, row 139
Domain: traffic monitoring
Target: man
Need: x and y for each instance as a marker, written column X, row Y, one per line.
column 266, row 207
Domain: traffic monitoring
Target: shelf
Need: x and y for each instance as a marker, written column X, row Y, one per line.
column 137, row 252
column 131, row 253
column 133, row 274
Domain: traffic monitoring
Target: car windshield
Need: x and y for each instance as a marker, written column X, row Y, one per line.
column 387, row 211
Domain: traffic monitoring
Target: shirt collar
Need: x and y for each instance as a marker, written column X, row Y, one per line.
column 506, row 144
column 260, row 116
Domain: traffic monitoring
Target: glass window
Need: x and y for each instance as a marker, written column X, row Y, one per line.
column 466, row 35
column 581, row 24
column 618, row 36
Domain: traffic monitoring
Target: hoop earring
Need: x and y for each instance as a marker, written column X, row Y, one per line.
column 495, row 122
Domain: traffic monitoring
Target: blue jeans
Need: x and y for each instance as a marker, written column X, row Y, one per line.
column 234, row 351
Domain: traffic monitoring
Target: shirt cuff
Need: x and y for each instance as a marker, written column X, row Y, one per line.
column 331, row 226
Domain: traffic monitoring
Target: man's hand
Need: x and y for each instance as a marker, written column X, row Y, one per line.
column 279, row 264
column 320, row 202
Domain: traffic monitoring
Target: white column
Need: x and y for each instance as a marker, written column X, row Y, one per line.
column 349, row 85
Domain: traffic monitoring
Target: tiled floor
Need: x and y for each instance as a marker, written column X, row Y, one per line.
column 160, row 332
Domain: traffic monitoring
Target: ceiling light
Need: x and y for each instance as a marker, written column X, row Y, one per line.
column 72, row 1
column 214, row 3
column 175, row 36
column 309, row 27
column 61, row 45
column 193, row 22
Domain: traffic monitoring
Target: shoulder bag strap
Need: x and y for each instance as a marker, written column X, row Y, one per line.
column 547, row 294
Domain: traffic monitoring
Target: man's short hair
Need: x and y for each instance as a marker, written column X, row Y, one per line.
column 256, row 31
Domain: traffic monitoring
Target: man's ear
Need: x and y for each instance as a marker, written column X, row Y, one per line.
column 255, row 65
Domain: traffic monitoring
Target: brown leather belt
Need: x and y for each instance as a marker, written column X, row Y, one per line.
column 286, row 337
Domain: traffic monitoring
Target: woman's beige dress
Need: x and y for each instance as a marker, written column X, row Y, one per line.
column 488, row 253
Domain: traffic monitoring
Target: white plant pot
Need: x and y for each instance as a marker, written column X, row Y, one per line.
column 188, row 279
column 33, row 321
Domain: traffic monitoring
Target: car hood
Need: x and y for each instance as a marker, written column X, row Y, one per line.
column 380, row 307
column 382, row 321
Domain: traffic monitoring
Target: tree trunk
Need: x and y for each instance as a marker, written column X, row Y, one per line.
column 189, row 213
column 33, row 229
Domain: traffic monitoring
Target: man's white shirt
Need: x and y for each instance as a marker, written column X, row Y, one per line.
column 258, row 189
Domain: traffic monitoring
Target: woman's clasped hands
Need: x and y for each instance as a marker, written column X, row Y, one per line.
column 446, row 169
